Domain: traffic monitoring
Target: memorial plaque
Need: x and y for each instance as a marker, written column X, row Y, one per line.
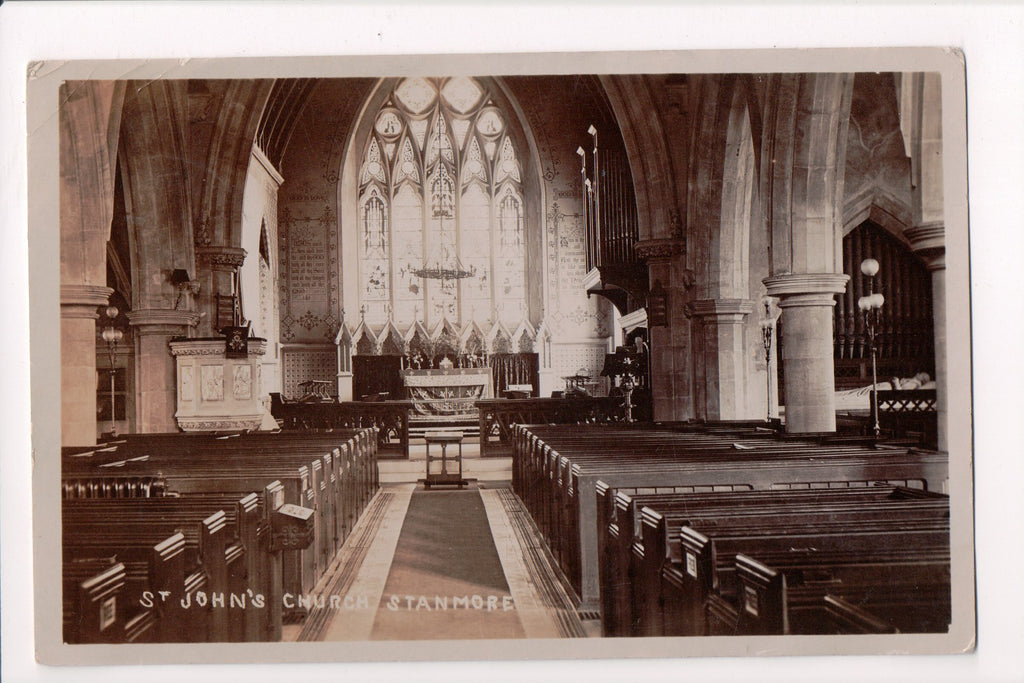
column 307, row 263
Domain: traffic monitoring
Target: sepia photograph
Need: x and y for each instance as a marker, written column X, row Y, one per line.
column 490, row 357
column 501, row 356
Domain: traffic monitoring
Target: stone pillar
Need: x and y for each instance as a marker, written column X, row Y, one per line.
column 807, row 302
column 155, row 380
column 79, row 310
column 723, row 357
column 671, row 391
column 923, row 100
column 217, row 268
column 929, row 242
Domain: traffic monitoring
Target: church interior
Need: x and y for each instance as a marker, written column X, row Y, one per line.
column 567, row 356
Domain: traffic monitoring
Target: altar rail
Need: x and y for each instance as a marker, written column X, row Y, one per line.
column 389, row 418
column 498, row 416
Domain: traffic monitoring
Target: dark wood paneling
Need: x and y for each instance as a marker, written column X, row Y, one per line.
column 375, row 375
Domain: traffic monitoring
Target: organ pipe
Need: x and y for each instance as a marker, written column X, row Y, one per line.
column 904, row 324
column 609, row 206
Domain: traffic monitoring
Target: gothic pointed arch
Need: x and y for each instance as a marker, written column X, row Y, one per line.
column 460, row 149
column 153, row 149
column 218, row 214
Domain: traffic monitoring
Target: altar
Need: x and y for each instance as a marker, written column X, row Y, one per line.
column 447, row 392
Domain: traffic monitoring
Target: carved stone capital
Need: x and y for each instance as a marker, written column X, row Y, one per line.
column 929, row 242
column 720, row 310
column 661, row 248
column 162, row 320
column 83, row 301
column 783, row 286
column 816, row 299
column 222, row 258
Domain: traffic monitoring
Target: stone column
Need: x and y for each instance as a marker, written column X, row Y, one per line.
column 923, row 104
column 79, row 310
column 929, row 242
column 155, row 380
column 669, row 345
column 217, row 267
column 807, row 302
column 724, row 356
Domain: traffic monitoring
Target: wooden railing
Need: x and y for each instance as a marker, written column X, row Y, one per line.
column 909, row 414
column 499, row 416
column 389, row 418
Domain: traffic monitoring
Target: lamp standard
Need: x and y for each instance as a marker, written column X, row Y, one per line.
column 767, row 332
column 112, row 336
column 869, row 306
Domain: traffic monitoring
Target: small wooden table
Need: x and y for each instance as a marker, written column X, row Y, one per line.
column 444, row 477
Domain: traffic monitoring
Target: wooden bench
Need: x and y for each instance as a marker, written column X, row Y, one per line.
column 332, row 474
column 571, row 504
column 643, row 538
column 640, row 533
column 905, row 590
column 556, row 469
column 171, row 569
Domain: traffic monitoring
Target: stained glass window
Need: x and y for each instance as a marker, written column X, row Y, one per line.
column 440, row 171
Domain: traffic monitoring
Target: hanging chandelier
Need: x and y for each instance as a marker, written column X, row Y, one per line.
column 442, row 264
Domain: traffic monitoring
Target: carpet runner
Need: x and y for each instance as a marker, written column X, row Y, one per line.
column 446, row 580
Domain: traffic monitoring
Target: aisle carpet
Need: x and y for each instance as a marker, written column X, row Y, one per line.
column 446, row 581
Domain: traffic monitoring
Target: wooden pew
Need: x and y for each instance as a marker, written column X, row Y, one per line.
column 556, row 469
column 207, row 552
column 702, row 577
column 901, row 590
column 499, row 416
column 333, row 474
column 641, row 534
column 92, row 593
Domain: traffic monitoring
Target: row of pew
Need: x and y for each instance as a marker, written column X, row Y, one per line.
column 814, row 561
column 205, row 538
column 614, row 505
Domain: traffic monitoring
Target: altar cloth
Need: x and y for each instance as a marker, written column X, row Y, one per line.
column 450, row 392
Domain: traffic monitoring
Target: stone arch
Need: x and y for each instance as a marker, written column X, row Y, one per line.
column 219, row 212
column 723, row 186
column 152, row 156
column 882, row 209
column 803, row 162
column 90, row 120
